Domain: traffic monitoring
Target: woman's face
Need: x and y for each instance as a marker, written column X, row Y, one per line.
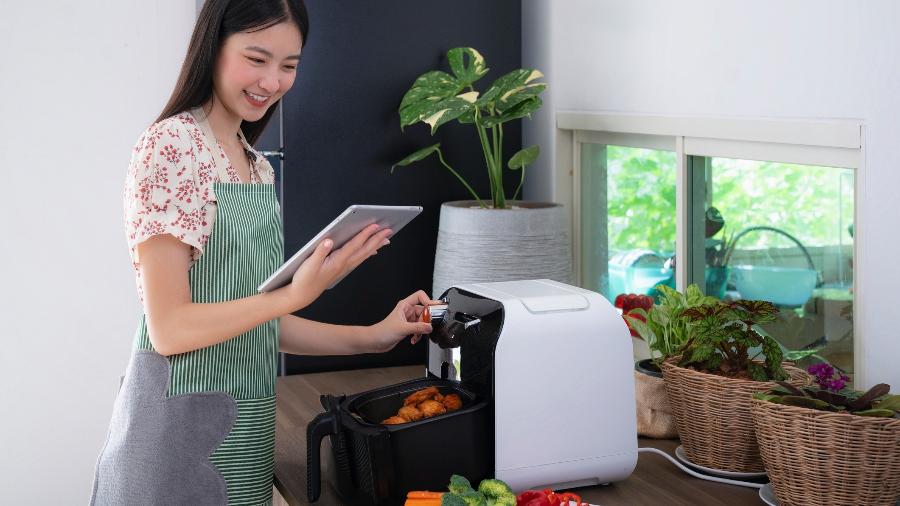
column 255, row 69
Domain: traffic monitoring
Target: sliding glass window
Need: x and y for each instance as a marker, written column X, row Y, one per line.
column 627, row 218
column 782, row 233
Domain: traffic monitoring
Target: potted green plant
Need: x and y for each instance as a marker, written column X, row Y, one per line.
column 826, row 444
column 718, row 252
column 665, row 328
column 711, row 379
column 526, row 239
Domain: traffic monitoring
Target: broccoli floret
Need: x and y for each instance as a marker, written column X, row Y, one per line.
column 459, row 485
column 451, row 499
column 473, row 498
column 494, row 488
column 503, row 500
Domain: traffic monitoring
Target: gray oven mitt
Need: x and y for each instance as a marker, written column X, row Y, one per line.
column 158, row 448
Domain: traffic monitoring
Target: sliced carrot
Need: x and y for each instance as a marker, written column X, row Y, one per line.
column 423, row 494
column 422, row 502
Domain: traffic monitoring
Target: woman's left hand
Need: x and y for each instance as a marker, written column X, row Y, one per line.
column 401, row 322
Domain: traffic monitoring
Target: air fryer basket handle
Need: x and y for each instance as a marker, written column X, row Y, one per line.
column 321, row 426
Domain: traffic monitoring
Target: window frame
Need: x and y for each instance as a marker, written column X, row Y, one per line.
column 833, row 143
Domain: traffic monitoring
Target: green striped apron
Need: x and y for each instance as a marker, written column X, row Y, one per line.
column 244, row 248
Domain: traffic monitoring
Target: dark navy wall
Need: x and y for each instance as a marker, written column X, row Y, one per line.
column 341, row 135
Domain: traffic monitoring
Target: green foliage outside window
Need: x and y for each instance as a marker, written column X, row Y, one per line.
column 815, row 204
column 641, row 199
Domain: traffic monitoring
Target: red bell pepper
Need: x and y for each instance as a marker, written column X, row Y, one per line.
column 547, row 497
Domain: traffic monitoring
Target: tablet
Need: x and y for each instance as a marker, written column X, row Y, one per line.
column 351, row 222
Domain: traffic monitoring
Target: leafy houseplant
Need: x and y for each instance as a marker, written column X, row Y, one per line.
column 723, row 335
column 665, row 329
column 437, row 97
column 528, row 240
column 711, row 379
column 874, row 402
column 719, row 251
column 828, row 444
column 665, row 326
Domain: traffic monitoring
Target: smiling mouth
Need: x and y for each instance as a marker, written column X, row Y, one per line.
column 254, row 99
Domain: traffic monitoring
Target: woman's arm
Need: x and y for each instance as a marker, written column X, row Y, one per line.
column 300, row 336
column 306, row 337
column 177, row 325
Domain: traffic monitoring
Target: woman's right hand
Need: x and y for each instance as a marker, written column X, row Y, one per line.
column 325, row 267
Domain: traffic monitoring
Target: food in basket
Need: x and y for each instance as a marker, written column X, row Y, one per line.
column 424, row 403
column 431, row 408
column 420, row 395
column 452, row 402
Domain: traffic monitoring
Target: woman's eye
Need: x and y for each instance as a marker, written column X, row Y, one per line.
column 255, row 60
column 290, row 68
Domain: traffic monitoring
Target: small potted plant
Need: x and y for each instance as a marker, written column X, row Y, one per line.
column 665, row 329
column 718, row 252
column 526, row 239
column 710, row 382
column 828, row 445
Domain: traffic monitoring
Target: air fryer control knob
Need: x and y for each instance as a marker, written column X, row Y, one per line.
column 449, row 327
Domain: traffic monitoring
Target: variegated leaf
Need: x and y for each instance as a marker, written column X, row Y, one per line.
column 436, row 113
column 446, row 110
column 468, row 117
column 512, row 88
column 430, row 87
column 466, row 74
column 521, row 110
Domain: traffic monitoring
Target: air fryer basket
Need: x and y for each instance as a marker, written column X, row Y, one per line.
column 375, row 406
column 378, row 464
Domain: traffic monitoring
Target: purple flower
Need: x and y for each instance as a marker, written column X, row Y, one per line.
column 827, row 378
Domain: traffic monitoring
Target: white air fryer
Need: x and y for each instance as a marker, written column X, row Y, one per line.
column 556, row 361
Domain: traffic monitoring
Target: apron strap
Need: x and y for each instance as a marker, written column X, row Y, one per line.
column 217, row 157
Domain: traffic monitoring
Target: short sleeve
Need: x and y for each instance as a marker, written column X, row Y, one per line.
column 265, row 170
column 162, row 194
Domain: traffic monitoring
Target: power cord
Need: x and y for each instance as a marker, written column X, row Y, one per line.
column 698, row 475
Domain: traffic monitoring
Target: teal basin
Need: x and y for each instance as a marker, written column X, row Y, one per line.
column 784, row 286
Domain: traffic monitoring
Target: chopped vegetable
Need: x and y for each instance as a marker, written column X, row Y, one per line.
column 504, row 500
column 424, row 494
column 452, row 500
column 422, row 502
column 473, row 498
column 490, row 493
column 459, row 484
column 547, row 497
column 494, row 488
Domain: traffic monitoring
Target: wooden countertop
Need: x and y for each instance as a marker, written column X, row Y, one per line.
column 654, row 481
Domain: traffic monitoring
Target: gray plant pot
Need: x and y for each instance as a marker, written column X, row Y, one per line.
column 529, row 241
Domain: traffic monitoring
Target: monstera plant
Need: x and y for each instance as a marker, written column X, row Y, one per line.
column 437, row 97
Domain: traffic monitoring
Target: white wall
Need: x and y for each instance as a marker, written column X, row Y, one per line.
column 80, row 81
column 800, row 59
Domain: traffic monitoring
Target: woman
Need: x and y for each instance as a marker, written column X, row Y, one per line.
column 194, row 422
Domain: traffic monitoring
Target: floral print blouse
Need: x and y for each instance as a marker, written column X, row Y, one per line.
column 169, row 186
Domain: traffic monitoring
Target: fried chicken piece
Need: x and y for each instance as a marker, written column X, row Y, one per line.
column 420, row 395
column 394, row 420
column 431, row 408
column 438, row 397
column 410, row 413
column 452, row 402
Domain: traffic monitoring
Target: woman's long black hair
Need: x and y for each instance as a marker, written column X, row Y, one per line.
column 218, row 19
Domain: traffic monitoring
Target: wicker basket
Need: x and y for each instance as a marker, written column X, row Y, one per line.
column 821, row 458
column 713, row 416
